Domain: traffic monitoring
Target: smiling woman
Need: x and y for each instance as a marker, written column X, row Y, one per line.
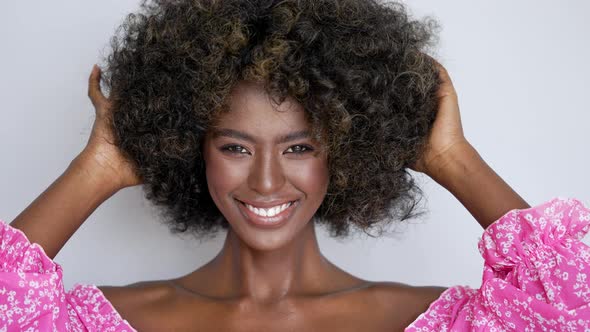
column 265, row 119
column 355, row 70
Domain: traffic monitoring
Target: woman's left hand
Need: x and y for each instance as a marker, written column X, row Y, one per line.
column 446, row 135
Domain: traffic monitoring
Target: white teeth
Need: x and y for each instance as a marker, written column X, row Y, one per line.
column 270, row 212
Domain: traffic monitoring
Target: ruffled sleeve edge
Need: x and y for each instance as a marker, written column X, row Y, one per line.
column 570, row 202
column 83, row 293
column 13, row 237
column 557, row 219
column 444, row 309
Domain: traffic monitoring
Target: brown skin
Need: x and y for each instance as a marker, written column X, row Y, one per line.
column 265, row 266
column 264, row 280
column 453, row 162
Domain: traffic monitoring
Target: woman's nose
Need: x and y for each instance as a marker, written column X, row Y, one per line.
column 266, row 173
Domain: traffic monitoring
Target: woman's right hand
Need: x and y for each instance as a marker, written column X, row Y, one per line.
column 100, row 151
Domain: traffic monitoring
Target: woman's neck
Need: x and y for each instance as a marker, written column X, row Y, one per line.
column 268, row 276
column 242, row 273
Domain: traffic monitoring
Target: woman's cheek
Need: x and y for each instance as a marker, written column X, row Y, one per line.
column 310, row 176
column 224, row 176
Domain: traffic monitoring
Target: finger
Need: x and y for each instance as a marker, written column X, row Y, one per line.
column 94, row 91
column 446, row 88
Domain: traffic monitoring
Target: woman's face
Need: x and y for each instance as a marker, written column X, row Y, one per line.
column 264, row 172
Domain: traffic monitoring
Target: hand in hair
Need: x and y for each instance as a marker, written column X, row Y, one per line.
column 100, row 148
column 446, row 135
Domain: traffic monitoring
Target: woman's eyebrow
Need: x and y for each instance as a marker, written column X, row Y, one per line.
column 232, row 133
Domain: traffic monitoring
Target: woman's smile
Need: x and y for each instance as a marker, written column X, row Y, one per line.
column 270, row 217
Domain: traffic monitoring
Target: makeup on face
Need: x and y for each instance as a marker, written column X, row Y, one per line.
column 264, row 171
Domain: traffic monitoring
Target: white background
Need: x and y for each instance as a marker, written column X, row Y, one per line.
column 522, row 74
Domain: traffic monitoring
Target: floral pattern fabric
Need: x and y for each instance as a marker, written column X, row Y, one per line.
column 536, row 278
column 32, row 295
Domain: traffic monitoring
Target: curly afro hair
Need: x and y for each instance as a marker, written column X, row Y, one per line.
column 358, row 67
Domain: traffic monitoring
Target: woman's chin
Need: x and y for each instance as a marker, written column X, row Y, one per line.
column 266, row 240
column 262, row 241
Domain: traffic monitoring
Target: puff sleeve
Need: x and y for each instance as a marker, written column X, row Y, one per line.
column 535, row 278
column 32, row 295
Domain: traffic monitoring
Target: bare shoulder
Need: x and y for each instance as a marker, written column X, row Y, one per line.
column 135, row 302
column 388, row 305
column 143, row 293
column 404, row 302
column 417, row 293
column 419, row 297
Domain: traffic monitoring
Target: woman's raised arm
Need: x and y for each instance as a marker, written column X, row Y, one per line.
column 92, row 177
column 454, row 163
column 475, row 184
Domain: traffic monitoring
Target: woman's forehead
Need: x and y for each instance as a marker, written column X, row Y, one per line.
column 249, row 105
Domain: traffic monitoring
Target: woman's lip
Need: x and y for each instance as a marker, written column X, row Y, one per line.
column 266, row 205
column 267, row 222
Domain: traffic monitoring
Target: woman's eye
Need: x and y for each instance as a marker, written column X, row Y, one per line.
column 237, row 149
column 299, row 149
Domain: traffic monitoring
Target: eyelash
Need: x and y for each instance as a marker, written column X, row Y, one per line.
column 228, row 148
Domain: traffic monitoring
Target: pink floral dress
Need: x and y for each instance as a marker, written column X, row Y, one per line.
column 535, row 279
